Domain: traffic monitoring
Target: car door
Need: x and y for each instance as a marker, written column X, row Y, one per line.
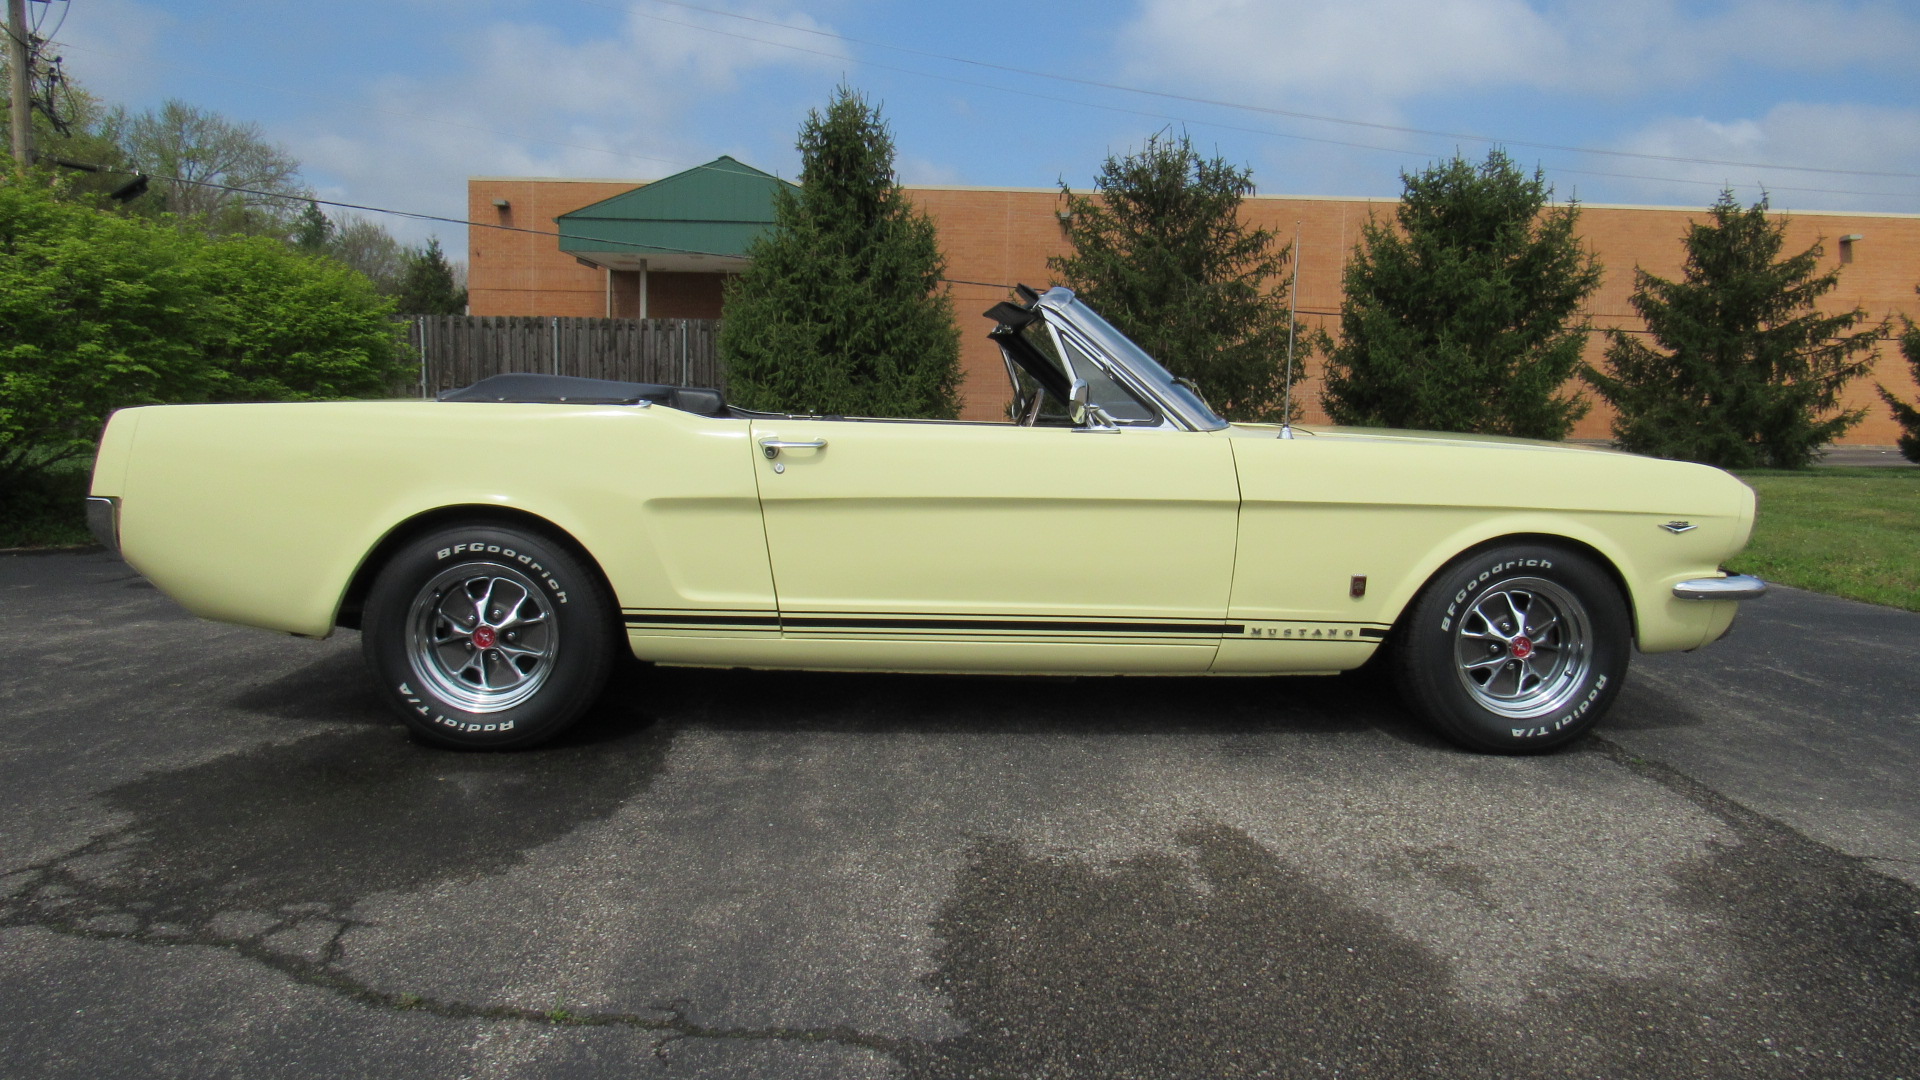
column 908, row 545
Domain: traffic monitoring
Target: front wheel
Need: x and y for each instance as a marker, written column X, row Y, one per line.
column 488, row 638
column 1514, row 649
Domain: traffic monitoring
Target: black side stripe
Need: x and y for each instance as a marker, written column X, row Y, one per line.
column 708, row 620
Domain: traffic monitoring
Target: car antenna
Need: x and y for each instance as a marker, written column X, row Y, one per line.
column 1293, row 300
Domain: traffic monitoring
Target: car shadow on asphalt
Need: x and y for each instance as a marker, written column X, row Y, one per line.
column 641, row 697
column 1355, row 703
column 334, row 690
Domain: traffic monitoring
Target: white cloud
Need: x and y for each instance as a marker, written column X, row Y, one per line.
column 1797, row 35
column 1372, row 54
column 1815, row 136
column 1368, row 49
column 1387, row 61
column 529, row 100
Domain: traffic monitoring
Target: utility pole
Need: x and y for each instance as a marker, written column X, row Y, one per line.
column 20, row 70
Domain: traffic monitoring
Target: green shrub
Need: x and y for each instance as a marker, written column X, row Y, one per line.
column 99, row 312
column 43, row 509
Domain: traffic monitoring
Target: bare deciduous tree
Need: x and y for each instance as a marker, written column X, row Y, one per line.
column 370, row 249
column 198, row 159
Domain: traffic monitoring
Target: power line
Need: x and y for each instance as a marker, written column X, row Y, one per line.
column 65, row 8
column 1398, row 151
column 1164, row 117
column 1191, row 99
column 442, row 121
column 448, row 220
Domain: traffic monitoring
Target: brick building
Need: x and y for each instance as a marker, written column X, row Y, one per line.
column 662, row 250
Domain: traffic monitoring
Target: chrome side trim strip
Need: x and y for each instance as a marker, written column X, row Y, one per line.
column 103, row 521
column 1731, row 587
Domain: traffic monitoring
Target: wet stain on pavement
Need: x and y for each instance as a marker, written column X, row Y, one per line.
column 1217, row 959
column 1062, row 970
column 331, row 691
column 1446, row 867
column 319, row 823
column 1232, row 963
column 266, row 853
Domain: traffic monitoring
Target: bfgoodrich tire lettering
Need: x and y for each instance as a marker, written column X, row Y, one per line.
column 1514, row 649
column 488, row 638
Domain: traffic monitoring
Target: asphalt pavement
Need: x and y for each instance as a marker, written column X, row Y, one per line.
column 220, row 857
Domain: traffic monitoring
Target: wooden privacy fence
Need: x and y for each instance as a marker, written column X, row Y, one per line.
column 457, row 350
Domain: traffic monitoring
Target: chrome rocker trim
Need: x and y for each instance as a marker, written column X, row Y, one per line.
column 1731, row 587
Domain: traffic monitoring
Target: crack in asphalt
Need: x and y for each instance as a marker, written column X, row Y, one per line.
column 1856, row 871
column 1032, row 990
column 278, row 886
column 55, row 897
column 1728, row 809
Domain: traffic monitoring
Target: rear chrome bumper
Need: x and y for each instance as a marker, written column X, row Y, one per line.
column 1731, row 587
column 103, row 521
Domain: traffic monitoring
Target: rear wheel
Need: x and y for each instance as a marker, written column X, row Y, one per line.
column 488, row 638
column 1514, row 649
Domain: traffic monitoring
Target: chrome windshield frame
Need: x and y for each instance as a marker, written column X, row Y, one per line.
column 1060, row 308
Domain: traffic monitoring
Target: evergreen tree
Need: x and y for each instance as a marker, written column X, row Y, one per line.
column 428, row 286
column 1742, row 369
column 1465, row 316
column 1161, row 252
column 1907, row 415
column 842, row 310
column 313, row 232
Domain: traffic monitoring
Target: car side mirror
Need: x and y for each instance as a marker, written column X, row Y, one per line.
column 1086, row 416
column 1077, row 403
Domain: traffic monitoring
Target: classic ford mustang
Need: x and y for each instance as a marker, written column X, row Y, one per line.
column 497, row 547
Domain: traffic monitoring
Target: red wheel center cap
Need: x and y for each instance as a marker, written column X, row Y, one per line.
column 1522, row 647
column 483, row 637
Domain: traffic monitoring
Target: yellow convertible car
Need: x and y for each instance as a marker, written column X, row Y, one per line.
column 497, row 547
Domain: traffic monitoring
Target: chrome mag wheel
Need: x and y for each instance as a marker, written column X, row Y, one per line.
column 482, row 637
column 1523, row 649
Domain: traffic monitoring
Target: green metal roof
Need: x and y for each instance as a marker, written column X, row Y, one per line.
column 712, row 209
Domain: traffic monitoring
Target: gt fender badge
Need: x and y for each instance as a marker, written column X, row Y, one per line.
column 1679, row 526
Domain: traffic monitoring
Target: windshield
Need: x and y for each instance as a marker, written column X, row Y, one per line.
column 1145, row 366
column 1070, row 361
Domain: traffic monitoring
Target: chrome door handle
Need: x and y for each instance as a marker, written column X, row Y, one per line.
column 772, row 447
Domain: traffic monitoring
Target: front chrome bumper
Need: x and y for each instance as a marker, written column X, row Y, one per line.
column 1731, row 587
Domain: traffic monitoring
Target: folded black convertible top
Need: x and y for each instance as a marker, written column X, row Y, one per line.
column 531, row 389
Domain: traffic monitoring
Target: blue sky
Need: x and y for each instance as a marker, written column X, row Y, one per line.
column 396, row 103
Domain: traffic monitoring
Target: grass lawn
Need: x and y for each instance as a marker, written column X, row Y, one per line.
column 1852, row 532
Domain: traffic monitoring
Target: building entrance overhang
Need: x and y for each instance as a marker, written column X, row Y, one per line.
column 698, row 221
column 657, row 260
